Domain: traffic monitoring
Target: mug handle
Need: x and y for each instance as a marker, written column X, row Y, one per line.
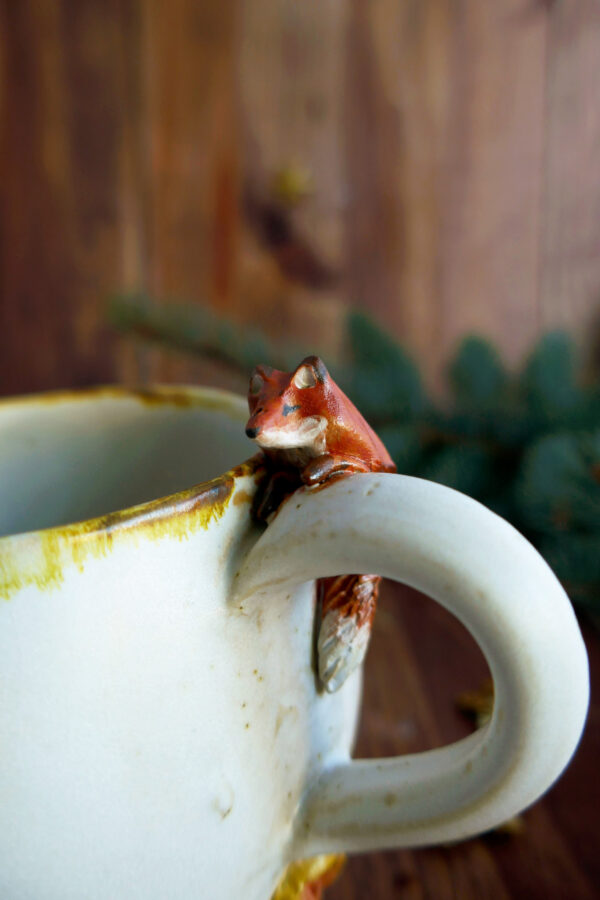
column 480, row 568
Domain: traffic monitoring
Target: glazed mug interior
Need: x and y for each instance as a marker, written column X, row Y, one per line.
column 74, row 456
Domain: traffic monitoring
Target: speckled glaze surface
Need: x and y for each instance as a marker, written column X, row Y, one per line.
column 161, row 729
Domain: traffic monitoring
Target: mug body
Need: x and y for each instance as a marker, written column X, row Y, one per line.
column 157, row 734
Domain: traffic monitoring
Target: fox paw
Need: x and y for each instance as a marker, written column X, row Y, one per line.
column 341, row 648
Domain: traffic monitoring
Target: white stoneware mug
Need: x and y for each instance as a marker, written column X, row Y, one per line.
column 161, row 733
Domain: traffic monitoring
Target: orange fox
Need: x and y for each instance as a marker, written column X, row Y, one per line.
column 311, row 435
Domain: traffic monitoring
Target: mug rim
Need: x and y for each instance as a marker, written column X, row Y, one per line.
column 173, row 514
column 182, row 395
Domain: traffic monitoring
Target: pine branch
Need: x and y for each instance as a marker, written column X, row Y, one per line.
column 526, row 444
column 198, row 331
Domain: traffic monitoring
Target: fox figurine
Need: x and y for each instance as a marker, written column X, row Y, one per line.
column 311, row 435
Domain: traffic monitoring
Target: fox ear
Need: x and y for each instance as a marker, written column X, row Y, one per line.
column 310, row 372
column 305, row 377
column 256, row 383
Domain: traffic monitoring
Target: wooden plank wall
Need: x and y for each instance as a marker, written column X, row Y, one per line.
column 452, row 151
column 452, row 147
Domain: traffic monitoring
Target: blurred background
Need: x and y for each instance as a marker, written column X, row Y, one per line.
column 277, row 166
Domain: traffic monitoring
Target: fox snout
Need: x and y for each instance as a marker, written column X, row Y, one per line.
column 251, row 431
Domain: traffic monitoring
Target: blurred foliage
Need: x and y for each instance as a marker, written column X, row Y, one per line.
column 197, row 330
column 526, row 443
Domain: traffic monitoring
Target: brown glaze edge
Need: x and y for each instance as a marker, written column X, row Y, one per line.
column 38, row 558
column 150, row 395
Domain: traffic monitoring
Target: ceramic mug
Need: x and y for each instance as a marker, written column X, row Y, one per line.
column 161, row 731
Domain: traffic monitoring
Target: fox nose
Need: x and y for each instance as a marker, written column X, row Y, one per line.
column 252, row 432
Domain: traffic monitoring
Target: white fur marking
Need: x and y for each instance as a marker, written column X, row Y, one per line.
column 309, row 434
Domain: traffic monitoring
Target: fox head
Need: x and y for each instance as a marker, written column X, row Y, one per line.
column 289, row 409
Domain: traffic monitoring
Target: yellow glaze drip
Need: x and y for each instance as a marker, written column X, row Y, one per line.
column 317, row 872
column 38, row 558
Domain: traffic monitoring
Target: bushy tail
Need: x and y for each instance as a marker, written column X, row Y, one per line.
column 347, row 604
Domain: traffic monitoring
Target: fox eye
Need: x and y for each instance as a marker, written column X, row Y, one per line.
column 256, row 384
column 305, row 377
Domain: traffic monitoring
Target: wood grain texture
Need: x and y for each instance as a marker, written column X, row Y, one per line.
column 59, row 194
column 451, row 148
column 570, row 249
